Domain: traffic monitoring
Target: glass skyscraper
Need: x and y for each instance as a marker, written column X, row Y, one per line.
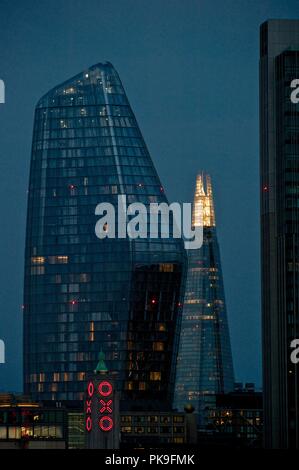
column 82, row 294
column 279, row 172
column 205, row 365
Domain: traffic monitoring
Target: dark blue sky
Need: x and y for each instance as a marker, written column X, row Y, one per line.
column 190, row 69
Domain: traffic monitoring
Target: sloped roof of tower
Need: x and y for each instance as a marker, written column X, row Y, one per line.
column 101, row 366
column 75, row 85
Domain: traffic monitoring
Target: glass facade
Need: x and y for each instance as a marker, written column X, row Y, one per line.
column 279, row 171
column 204, row 364
column 83, row 294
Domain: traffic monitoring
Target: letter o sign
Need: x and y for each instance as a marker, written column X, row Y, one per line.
column 105, row 389
column 88, row 424
column 90, row 389
column 106, row 423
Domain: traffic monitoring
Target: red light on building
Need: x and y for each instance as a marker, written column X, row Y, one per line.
column 106, row 423
column 105, row 388
column 265, row 188
column 106, row 406
column 90, row 389
column 88, row 424
column 88, row 406
column 153, row 301
column 101, row 409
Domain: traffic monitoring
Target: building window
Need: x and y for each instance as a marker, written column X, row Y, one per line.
column 178, row 419
column 139, row 430
column 166, row 268
column 126, row 429
column 38, row 260
column 165, row 419
column 178, row 440
column 126, row 419
column 155, row 376
column 153, row 419
column 14, row 432
column 58, row 259
column 37, row 270
column 152, row 430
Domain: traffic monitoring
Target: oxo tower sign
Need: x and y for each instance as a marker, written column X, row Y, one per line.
column 101, row 413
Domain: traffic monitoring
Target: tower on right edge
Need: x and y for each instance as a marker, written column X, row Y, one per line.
column 204, row 366
column 279, row 173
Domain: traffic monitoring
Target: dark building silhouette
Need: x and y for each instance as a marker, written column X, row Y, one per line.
column 234, row 419
column 205, row 365
column 83, row 294
column 279, row 173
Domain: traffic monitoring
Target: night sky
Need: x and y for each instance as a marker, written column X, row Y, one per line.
column 190, row 70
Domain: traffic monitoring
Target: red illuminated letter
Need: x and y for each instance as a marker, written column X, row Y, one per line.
column 105, row 389
column 88, row 424
column 90, row 389
column 106, row 423
column 106, row 406
column 88, row 406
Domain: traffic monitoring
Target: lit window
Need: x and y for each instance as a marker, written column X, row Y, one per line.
column 58, row 259
column 178, row 440
column 155, row 376
column 126, row 429
column 70, row 91
column 63, row 124
column 139, row 430
column 162, row 327
column 91, row 334
column 41, row 377
column 129, row 386
column 166, row 268
column 38, row 260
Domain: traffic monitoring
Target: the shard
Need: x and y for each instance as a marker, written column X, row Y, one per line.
column 204, row 366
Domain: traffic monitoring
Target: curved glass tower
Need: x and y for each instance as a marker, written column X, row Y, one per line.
column 83, row 294
column 205, row 365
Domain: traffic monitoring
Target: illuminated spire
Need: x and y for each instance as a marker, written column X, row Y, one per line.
column 203, row 206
